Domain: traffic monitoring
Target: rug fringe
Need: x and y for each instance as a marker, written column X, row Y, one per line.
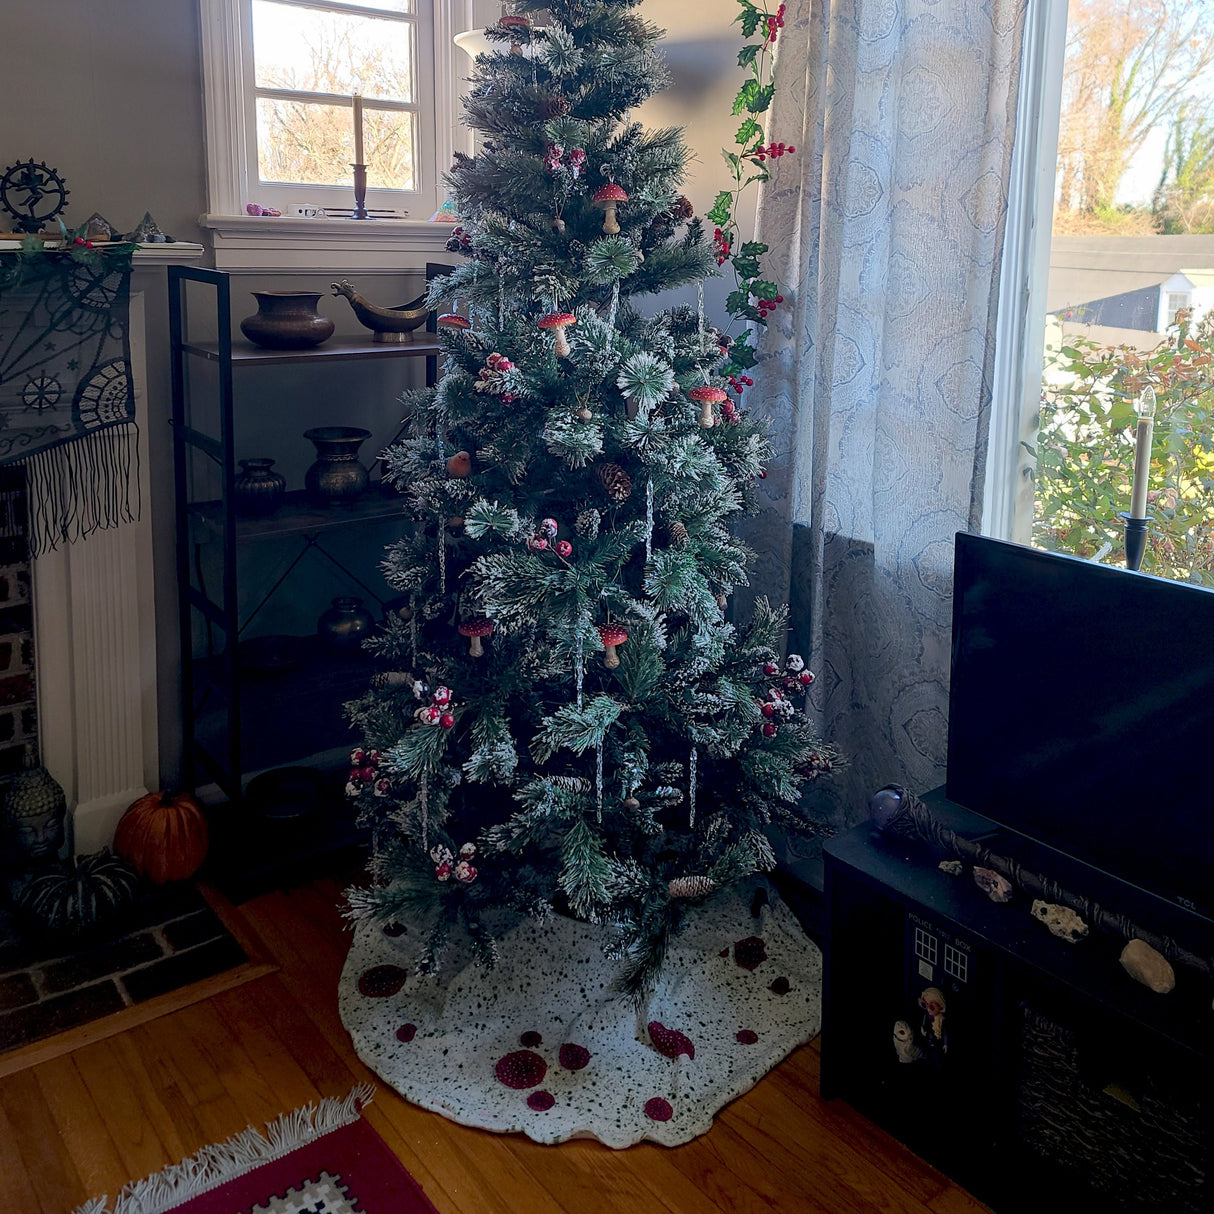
column 220, row 1162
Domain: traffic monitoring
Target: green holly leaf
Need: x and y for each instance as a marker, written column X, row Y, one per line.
column 748, row 54
column 753, row 248
column 748, row 132
column 754, row 97
column 749, row 17
column 745, row 264
column 736, row 301
column 762, row 289
column 721, row 208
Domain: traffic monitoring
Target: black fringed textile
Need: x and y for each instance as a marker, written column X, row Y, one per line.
column 67, row 403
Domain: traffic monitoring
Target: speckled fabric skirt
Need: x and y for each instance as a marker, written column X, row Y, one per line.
column 542, row 1045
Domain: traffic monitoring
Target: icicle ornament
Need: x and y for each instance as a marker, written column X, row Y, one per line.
column 579, row 677
column 649, row 521
column 700, row 308
column 413, row 627
column 423, row 797
column 598, row 779
column 692, row 766
column 442, row 557
column 615, row 304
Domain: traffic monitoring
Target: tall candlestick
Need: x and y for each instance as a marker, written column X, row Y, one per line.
column 1142, row 452
column 358, row 126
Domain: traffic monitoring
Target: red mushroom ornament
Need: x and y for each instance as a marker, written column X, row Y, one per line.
column 474, row 630
column 515, row 27
column 706, row 397
column 453, row 320
column 612, row 635
column 608, row 197
column 557, row 322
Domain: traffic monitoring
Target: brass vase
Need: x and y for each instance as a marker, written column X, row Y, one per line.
column 337, row 478
column 286, row 320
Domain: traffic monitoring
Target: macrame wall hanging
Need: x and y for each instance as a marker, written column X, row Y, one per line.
column 67, row 403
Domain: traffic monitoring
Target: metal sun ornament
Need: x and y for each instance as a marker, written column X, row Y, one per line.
column 33, row 194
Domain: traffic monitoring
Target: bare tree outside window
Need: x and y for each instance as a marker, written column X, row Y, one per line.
column 308, row 64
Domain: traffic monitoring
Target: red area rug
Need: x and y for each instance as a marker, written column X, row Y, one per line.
column 319, row 1160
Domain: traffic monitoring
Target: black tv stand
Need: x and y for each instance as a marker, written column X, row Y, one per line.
column 1060, row 1082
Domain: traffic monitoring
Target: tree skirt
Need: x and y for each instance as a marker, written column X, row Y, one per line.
column 542, row 1045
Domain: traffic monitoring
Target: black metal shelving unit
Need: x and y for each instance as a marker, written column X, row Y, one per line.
column 237, row 721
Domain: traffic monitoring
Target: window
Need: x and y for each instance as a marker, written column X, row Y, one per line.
column 925, row 946
column 956, row 963
column 1176, row 301
column 281, row 78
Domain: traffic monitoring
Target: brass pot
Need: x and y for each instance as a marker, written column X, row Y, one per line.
column 287, row 320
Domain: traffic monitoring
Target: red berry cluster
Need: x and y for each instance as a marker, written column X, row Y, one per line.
column 460, row 241
column 729, row 411
column 721, row 245
column 438, row 711
column 739, row 382
column 774, row 25
column 773, row 151
column 364, row 774
column 446, row 866
column 544, row 537
column 88, row 244
column 768, row 305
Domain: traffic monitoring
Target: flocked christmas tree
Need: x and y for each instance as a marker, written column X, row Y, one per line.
column 569, row 721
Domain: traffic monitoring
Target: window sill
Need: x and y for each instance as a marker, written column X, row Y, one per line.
column 257, row 243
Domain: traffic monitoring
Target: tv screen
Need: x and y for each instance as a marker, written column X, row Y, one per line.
column 1081, row 712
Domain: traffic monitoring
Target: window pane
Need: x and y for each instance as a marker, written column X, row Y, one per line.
column 320, row 52
column 387, row 6
column 311, row 144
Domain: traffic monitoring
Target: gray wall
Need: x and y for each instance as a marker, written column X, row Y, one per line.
column 111, row 95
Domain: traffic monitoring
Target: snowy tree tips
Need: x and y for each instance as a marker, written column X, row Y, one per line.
column 474, row 630
column 607, row 198
column 706, row 397
column 612, row 635
column 557, row 322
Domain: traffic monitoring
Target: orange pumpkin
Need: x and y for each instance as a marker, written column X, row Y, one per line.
column 164, row 836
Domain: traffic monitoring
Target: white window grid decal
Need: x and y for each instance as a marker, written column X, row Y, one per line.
column 956, row 963
column 925, row 946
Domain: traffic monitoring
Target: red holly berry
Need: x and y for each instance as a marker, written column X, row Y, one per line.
column 768, row 710
column 447, row 720
column 769, row 728
column 564, row 548
column 770, row 668
column 805, row 678
column 366, row 774
column 442, row 695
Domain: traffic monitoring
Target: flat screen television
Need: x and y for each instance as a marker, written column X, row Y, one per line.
column 1081, row 713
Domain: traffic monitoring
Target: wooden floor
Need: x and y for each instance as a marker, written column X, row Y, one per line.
column 82, row 1124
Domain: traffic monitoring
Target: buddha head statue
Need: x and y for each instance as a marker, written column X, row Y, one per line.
column 32, row 819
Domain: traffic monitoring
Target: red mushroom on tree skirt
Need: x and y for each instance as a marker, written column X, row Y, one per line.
column 706, row 397
column 612, row 635
column 453, row 320
column 557, row 322
column 474, row 630
column 515, row 25
column 608, row 197
column 459, row 465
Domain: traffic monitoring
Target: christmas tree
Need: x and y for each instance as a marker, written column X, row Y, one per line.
column 567, row 719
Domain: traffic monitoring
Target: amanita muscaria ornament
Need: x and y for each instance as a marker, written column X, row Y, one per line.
column 557, row 322
column 607, row 198
column 474, row 630
column 515, row 26
column 453, row 320
column 459, row 465
column 612, row 635
column 706, row 397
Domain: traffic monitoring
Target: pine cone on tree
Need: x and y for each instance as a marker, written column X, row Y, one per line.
column 554, row 106
column 587, row 523
column 695, row 886
column 678, row 535
column 616, row 482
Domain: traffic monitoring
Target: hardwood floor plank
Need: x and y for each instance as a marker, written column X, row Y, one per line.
column 81, row 1126
column 56, row 1184
column 14, row 1178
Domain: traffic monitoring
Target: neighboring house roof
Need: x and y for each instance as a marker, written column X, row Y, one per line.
column 1084, row 269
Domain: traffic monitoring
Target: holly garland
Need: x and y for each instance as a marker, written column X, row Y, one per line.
column 754, row 297
column 71, row 243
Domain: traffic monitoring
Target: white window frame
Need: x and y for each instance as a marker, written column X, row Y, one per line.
column 1024, row 277
column 1184, row 299
column 244, row 242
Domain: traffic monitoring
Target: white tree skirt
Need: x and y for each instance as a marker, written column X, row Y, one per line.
column 439, row 1039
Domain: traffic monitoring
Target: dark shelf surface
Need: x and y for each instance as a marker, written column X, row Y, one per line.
column 289, row 715
column 907, row 870
column 300, row 515
column 335, row 349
